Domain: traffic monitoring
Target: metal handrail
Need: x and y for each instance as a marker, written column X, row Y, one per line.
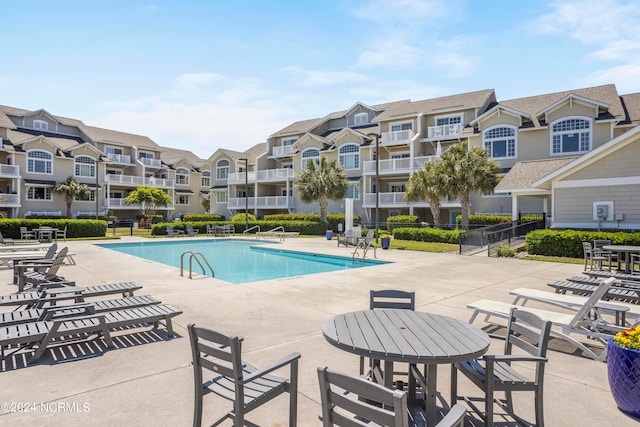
column 192, row 256
column 252, row 228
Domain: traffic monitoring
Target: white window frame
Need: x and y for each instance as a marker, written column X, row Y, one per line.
column 509, row 140
column 305, row 157
column 344, row 155
column 91, row 198
column 221, row 196
column 113, row 150
column 353, row 192
column 582, row 132
column 183, row 199
column 360, row 119
column 40, row 124
column 205, row 179
column 146, row 155
column 47, row 193
column 400, row 126
column 48, row 162
column 401, row 186
column 182, row 176
column 289, row 141
column 86, row 163
column 222, row 169
column 448, row 117
column 114, row 172
column 116, row 195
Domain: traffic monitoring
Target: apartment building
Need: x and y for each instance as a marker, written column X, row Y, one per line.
column 40, row 149
column 572, row 155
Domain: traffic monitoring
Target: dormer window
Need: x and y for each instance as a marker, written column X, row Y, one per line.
column 40, row 124
column 571, row 135
column 360, row 119
column 205, row 180
column 39, row 161
column 313, row 155
column 222, row 169
column 182, row 176
column 288, row 142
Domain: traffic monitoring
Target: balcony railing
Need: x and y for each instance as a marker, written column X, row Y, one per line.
column 282, row 150
column 120, row 204
column 119, row 158
column 397, row 200
column 445, row 131
column 391, row 166
column 282, row 174
column 274, row 202
column 399, row 137
column 9, row 199
column 152, row 163
column 134, row 181
column 9, row 171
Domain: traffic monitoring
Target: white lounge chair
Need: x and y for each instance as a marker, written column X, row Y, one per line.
column 579, row 323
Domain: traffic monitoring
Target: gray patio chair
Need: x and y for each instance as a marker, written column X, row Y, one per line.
column 192, row 232
column 354, row 401
column 173, row 233
column 25, row 234
column 592, row 257
column 5, row 241
column 61, row 234
column 50, row 274
column 492, row 373
column 388, row 299
column 611, row 255
column 234, row 380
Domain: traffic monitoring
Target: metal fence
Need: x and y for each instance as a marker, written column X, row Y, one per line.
column 493, row 236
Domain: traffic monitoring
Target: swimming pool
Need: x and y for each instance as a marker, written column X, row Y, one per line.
column 240, row 261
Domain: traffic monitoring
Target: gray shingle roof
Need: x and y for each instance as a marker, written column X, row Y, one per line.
column 525, row 173
column 632, row 104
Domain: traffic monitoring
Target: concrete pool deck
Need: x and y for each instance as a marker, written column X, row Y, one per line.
column 147, row 380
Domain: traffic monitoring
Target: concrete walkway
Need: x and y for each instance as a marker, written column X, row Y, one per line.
column 147, row 380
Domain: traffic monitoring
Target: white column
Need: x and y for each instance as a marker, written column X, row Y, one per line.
column 514, row 207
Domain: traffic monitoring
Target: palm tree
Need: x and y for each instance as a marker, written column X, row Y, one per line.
column 427, row 183
column 322, row 182
column 468, row 170
column 72, row 190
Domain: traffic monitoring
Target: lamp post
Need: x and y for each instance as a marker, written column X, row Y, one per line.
column 246, row 193
column 371, row 135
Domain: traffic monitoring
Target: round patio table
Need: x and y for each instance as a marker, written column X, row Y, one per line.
column 407, row 336
column 627, row 250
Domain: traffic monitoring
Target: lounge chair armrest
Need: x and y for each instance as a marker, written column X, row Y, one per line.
column 33, row 262
column 513, row 358
column 81, row 311
column 293, row 357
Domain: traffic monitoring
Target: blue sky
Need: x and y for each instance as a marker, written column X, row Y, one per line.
column 204, row 75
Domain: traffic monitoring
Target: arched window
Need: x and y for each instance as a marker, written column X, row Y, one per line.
column 353, row 192
column 500, row 142
column 311, row 154
column 205, row 181
column 571, row 135
column 39, row 161
column 182, row 176
column 222, row 169
column 350, row 156
column 85, row 166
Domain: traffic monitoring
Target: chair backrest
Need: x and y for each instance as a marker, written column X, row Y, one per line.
column 394, row 299
column 528, row 332
column 455, row 417
column 586, row 248
column 51, row 251
column 583, row 316
column 218, row 353
column 57, row 262
column 598, row 244
column 369, row 237
column 363, row 400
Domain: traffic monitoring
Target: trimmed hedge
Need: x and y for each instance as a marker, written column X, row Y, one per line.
column 75, row 227
column 203, row 217
column 402, row 220
column 435, row 235
column 101, row 217
column 332, row 219
column 568, row 243
column 303, row 227
column 484, row 220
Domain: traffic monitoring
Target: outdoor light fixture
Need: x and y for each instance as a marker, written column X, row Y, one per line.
column 246, row 193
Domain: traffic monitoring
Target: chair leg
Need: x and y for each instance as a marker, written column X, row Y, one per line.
column 488, row 405
column 197, row 409
column 539, row 402
column 293, row 394
column 454, row 384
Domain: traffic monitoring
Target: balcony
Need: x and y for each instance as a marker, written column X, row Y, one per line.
column 120, row 204
column 120, row 159
column 397, row 166
column 9, row 200
column 9, row 171
column 262, row 202
column 282, row 151
column 445, row 131
column 391, row 200
column 150, row 163
column 400, row 137
column 269, row 175
column 134, row 181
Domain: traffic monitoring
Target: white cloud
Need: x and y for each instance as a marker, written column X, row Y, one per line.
column 625, row 77
column 317, row 78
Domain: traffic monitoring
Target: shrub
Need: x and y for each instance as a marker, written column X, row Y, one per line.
column 505, row 251
column 101, row 217
column 242, row 216
column 435, row 235
column 302, row 227
column 484, row 220
column 401, row 221
column 568, row 243
column 204, row 217
column 75, row 227
column 332, row 219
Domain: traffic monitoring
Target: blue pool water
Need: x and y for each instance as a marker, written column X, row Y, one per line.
column 240, row 261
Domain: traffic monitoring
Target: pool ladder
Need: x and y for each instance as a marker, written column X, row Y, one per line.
column 197, row 256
